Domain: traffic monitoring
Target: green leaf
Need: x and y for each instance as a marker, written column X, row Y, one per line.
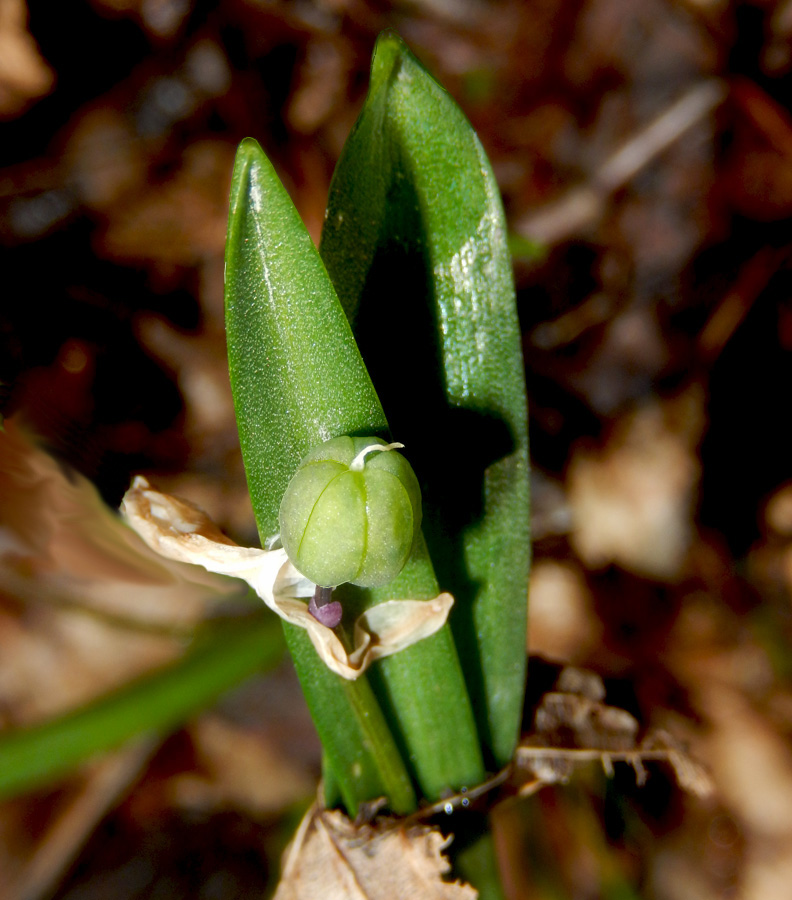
column 415, row 244
column 155, row 704
column 297, row 380
column 296, row 373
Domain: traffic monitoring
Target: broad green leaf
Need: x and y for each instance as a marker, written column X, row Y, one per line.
column 296, row 373
column 415, row 244
column 298, row 380
column 155, row 704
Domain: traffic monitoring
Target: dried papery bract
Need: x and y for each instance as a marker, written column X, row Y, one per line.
column 179, row 530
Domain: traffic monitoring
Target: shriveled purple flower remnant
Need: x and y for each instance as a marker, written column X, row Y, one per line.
column 323, row 608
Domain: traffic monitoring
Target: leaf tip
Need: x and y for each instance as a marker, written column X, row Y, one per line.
column 249, row 149
column 250, row 159
column 389, row 51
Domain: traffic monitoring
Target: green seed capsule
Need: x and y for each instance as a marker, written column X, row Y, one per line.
column 351, row 513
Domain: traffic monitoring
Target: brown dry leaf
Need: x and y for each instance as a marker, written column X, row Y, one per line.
column 58, row 534
column 564, row 625
column 689, row 773
column 574, row 726
column 724, row 660
column 334, row 859
column 752, row 766
column 243, row 770
column 86, row 604
column 24, row 75
column 748, row 713
column 632, row 501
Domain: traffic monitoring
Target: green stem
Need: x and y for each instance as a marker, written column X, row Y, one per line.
column 358, row 744
column 476, row 862
column 423, row 693
column 155, row 704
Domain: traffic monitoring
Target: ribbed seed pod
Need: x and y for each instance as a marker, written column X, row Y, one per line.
column 351, row 512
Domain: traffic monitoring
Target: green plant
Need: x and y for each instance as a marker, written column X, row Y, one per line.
column 407, row 311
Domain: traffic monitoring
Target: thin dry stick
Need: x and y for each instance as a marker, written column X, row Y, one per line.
column 689, row 774
column 731, row 310
column 461, row 800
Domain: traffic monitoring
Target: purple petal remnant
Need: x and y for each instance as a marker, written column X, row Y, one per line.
column 323, row 609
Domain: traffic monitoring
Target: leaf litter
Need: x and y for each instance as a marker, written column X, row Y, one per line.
column 333, row 858
column 572, row 726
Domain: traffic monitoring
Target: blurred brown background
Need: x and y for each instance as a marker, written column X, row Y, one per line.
column 644, row 152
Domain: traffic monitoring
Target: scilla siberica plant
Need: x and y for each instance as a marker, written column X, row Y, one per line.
column 404, row 319
column 408, row 310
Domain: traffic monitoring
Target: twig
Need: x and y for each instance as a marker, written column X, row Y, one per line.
column 732, row 309
column 689, row 774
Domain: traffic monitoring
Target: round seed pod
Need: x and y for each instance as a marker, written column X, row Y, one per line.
column 351, row 513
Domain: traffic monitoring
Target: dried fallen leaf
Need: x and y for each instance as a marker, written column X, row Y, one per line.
column 690, row 775
column 180, row 531
column 562, row 718
column 87, row 605
column 334, row 859
column 631, row 502
column 724, row 660
column 564, row 624
column 24, row 75
column 60, row 537
column 239, row 768
column 574, row 726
